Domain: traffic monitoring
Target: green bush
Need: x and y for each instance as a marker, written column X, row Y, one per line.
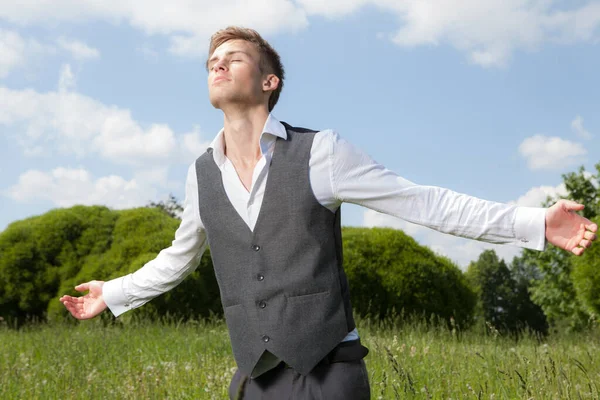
column 387, row 270
column 44, row 257
column 37, row 253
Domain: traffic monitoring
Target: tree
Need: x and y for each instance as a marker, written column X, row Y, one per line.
column 586, row 279
column 490, row 278
column 528, row 314
column 503, row 296
column 555, row 290
column 171, row 207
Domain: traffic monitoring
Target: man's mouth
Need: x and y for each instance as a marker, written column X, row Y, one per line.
column 219, row 79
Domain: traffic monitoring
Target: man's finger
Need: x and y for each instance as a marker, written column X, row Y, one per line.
column 592, row 227
column 580, row 233
column 577, row 251
column 571, row 205
column 69, row 304
column 71, row 299
column 75, row 309
column 83, row 287
column 585, row 243
column 589, row 235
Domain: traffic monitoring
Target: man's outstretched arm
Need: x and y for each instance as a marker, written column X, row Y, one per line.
column 158, row 276
column 358, row 179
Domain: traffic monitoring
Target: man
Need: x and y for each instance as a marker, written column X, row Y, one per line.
column 266, row 197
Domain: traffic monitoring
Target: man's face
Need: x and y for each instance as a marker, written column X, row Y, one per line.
column 234, row 75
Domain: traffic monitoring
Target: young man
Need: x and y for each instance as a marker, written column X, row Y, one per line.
column 266, row 197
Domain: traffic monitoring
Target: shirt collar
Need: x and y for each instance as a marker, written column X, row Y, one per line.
column 271, row 131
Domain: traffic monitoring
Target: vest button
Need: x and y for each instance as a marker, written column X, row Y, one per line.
column 260, row 277
column 262, row 304
column 255, row 247
column 265, row 338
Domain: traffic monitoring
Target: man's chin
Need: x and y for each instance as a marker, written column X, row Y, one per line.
column 221, row 99
column 216, row 103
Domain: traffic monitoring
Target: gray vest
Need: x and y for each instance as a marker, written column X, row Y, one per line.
column 282, row 285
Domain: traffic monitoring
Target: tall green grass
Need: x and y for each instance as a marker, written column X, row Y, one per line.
column 193, row 360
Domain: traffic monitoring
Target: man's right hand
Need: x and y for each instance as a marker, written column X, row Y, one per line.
column 88, row 306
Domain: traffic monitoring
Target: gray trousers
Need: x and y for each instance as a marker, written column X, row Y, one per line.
column 347, row 380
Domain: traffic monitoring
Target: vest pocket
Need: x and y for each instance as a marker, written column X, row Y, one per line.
column 307, row 296
column 233, row 312
column 308, row 313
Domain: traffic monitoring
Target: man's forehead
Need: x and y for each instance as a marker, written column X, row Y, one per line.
column 235, row 45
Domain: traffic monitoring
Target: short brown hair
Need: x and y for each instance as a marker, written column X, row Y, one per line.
column 270, row 62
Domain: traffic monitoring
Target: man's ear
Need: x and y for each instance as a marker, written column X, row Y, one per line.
column 270, row 83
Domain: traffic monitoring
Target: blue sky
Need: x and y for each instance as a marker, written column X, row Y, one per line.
column 107, row 103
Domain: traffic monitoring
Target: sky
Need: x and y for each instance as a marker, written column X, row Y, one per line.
column 107, row 102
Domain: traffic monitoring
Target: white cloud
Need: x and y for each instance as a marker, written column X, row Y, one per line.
column 19, row 52
column 148, row 52
column 121, row 139
column 537, row 195
column 78, row 49
column 188, row 24
column 72, row 123
column 577, row 127
column 544, row 152
column 589, row 176
column 266, row 16
column 66, row 80
column 192, row 146
column 65, row 187
column 154, row 175
column 12, row 49
column 488, row 32
column 15, row 51
column 334, row 8
column 463, row 251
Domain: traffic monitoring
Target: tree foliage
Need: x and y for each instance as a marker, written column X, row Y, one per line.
column 502, row 295
column 171, row 206
column 562, row 290
column 586, row 279
column 44, row 257
column 388, row 270
column 490, row 277
column 528, row 314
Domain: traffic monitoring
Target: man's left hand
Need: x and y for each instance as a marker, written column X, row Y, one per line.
column 567, row 229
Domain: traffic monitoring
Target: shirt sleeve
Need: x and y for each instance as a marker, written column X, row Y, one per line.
column 170, row 267
column 358, row 179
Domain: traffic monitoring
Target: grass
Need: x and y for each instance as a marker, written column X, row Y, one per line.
column 193, row 361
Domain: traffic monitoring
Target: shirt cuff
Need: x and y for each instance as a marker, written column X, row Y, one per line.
column 114, row 296
column 530, row 228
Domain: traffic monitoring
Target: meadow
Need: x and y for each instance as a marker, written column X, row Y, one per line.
column 192, row 360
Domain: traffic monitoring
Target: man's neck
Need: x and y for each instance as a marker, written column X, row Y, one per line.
column 242, row 130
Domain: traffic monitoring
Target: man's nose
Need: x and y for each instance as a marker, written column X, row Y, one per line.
column 220, row 65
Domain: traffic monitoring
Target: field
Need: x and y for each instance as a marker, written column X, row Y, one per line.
column 193, row 361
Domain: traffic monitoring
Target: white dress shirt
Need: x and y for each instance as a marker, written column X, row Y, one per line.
column 339, row 172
